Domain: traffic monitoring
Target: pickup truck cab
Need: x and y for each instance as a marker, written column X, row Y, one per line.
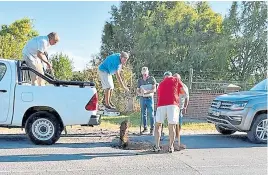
column 44, row 111
column 244, row 111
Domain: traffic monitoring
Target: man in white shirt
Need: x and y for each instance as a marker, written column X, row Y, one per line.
column 33, row 54
column 184, row 101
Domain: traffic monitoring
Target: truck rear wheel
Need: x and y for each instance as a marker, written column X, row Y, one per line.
column 224, row 131
column 43, row 128
column 259, row 130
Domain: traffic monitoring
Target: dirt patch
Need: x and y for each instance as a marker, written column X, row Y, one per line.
column 132, row 145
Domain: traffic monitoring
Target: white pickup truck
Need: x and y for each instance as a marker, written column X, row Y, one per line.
column 44, row 111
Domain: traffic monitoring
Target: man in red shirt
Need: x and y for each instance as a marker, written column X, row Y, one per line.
column 168, row 107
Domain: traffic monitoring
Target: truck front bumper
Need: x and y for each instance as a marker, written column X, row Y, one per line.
column 228, row 119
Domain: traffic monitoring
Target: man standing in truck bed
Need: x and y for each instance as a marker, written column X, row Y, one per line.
column 111, row 65
column 34, row 54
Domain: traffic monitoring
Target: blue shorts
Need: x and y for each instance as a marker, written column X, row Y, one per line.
column 180, row 117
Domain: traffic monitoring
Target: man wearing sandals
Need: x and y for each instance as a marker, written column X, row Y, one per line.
column 184, row 100
column 168, row 107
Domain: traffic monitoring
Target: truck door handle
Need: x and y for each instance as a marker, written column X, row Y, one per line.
column 4, row 91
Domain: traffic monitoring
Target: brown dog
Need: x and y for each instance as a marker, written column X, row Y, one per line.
column 123, row 143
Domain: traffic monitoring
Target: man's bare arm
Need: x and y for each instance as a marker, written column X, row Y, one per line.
column 42, row 57
column 138, row 91
column 120, row 79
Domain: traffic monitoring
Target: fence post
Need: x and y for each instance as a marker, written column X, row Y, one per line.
column 132, row 97
column 191, row 72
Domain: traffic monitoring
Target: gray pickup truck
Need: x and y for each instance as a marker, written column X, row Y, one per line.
column 244, row 111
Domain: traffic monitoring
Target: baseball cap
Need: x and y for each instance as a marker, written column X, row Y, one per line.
column 144, row 70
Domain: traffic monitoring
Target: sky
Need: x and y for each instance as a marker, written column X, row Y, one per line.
column 79, row 24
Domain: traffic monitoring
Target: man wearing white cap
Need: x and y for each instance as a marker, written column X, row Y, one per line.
column 145, row 90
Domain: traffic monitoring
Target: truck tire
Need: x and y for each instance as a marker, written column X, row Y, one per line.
column 224, row 131
column 258, row 132
column 43, row 128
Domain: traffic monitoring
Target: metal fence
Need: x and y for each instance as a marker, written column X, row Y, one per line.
column 194, row 81
column 197, row 81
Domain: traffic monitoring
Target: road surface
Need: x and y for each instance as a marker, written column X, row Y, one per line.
column 92, row 154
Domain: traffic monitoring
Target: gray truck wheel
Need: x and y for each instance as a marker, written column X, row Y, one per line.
column 43, row 128
column 259, row 130
column 224, row 131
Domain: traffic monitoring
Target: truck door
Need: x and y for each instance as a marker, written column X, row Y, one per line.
column 5, row 91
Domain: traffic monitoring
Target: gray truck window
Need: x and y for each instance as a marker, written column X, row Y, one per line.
column 3, row 69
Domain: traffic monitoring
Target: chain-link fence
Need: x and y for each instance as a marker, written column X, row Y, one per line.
column 197, row 81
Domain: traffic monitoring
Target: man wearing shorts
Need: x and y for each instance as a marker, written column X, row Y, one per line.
column 34, row 54
column 167, row 107
column 184, row 100
column 111, row 65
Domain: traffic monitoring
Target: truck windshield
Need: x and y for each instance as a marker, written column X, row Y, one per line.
column 261, row 86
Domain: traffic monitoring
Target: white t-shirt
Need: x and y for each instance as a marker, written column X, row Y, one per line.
column 39, row 43
column 147, row 87
column 184, row 96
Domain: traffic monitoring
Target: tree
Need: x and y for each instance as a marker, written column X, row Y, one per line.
column 246, row 30
column 13, row 37
column 62, row 66
column 164, row 35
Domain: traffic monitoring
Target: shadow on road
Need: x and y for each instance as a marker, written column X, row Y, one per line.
column 210, row 141
column 205, row 141
column 59, row 157
column 19, row 141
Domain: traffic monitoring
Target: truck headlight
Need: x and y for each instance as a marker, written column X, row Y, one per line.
column 238, row 105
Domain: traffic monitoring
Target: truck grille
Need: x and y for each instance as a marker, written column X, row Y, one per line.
column 221, row 104
column 216, row 120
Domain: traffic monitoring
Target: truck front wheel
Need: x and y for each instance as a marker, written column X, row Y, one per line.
column 43, row 128
column 259, row 130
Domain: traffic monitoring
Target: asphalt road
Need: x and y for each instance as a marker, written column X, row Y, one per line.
column 91, row 154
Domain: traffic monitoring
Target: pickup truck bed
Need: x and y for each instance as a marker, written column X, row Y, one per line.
column 44, row 111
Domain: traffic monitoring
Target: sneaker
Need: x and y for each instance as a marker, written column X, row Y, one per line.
column 182, row 147
column 156, row 149
column 112, row 105
column 171, row 149
column 151, row 131
column 145, row 130
column 108, row 107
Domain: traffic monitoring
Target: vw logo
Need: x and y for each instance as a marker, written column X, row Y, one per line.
column 218, row 105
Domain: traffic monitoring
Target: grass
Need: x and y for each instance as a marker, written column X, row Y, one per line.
column 134, row 118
